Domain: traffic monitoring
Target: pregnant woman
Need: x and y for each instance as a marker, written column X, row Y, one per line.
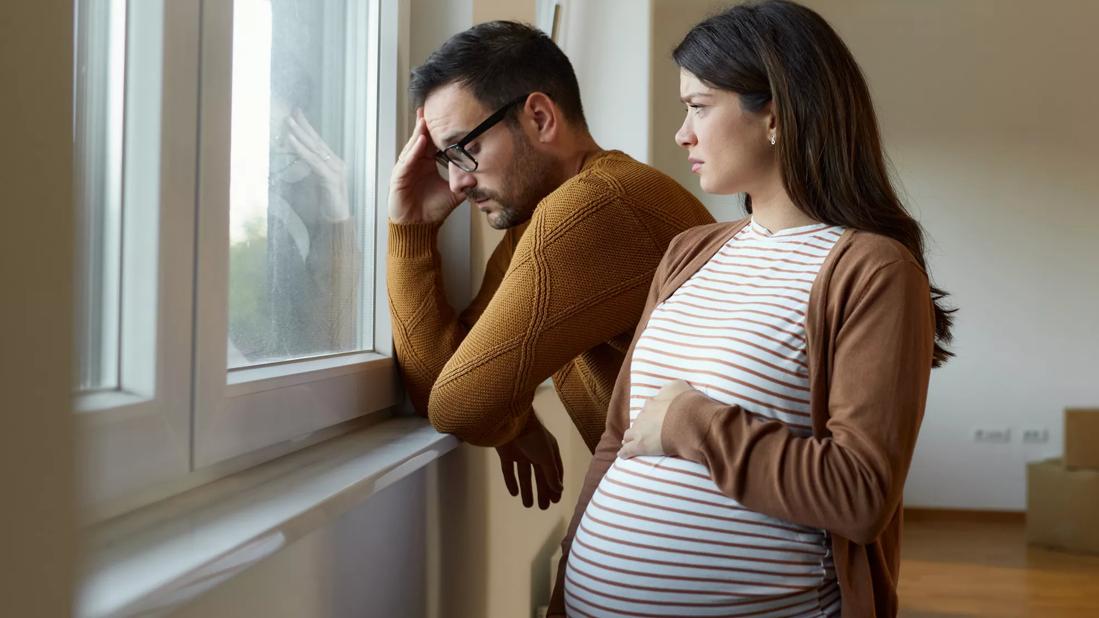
column 762, row 427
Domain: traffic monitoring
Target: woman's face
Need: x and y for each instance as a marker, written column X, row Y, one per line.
column 729, row 148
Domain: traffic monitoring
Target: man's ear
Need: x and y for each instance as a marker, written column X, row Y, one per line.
column 543, row 117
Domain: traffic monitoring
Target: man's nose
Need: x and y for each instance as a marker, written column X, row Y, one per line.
column 460, row 180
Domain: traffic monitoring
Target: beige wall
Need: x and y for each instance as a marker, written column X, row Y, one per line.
column 673, row 19
column 37, row 521
column 483, row 239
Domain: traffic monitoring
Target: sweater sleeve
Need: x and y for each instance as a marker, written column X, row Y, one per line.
column 851, row 482
column 426, row 329
column 578, row 278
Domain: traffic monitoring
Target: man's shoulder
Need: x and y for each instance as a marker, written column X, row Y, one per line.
column 617, row 171
column 619, row 179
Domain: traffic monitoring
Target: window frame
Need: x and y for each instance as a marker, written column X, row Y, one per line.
column 174, row 423
column 147, row 417
column 241, row 410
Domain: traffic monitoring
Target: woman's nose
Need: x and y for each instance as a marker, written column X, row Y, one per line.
column 685, row 136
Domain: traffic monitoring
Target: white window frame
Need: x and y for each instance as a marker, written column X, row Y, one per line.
column 241, row 410
column 179, row 418
column 139, row 434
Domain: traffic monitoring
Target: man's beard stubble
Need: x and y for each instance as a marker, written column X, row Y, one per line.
column 531, row 176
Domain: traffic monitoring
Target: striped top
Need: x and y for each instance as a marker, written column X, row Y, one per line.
column 658, row 537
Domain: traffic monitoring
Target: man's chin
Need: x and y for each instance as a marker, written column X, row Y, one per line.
column 498, row 220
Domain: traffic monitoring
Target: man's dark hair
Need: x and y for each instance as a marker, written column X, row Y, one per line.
column 498, row 61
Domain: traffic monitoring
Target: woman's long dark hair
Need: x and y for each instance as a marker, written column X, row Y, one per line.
column 829, row 146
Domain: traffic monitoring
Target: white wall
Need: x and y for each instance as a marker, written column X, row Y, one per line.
column 608, row 43
column 37, row 520
column 989, row 113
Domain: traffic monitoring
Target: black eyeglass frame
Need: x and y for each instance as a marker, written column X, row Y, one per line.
column 445, row 159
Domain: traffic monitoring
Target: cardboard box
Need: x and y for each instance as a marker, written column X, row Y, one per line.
column 1082, row 438
column 1062, row 506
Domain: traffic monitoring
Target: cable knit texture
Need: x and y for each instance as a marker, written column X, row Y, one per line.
column 561, row 297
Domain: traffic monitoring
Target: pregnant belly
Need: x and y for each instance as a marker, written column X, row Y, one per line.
column 658, row 538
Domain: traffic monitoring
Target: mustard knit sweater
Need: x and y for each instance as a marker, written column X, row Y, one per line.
column 561, row 297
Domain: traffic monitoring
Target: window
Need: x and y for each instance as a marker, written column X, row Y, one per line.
column 232, row 245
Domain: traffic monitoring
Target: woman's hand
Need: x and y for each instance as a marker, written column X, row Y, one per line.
column 643, row 436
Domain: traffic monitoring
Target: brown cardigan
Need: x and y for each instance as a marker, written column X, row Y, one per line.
column 870, row 329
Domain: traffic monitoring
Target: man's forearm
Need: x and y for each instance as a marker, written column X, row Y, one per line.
column 426, row 329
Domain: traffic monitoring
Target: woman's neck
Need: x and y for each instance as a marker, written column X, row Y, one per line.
column 775, row 211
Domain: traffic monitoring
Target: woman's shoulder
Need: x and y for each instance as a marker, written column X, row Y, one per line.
column 863, row 258
column 872, row 250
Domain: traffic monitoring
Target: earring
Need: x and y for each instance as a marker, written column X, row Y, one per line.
column 772, row 139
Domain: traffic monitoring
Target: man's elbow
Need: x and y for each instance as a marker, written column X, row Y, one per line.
column 466, row 418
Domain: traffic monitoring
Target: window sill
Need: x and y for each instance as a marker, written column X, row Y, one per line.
column 161, row 557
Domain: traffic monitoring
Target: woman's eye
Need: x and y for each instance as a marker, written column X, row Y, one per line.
column 697, row 109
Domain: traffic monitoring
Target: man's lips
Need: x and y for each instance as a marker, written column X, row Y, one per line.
column 695, row 164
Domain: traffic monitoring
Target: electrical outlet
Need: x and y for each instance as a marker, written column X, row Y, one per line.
column 992, row 436
column 1035, row 435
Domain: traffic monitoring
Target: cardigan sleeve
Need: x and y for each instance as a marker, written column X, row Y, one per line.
column 850, row 482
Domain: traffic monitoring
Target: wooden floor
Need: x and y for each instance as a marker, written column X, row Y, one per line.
column 968, row 565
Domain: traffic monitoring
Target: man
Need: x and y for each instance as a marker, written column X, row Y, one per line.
column 499, row 106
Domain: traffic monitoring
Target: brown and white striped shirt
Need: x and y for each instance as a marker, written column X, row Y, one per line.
column 658, row 537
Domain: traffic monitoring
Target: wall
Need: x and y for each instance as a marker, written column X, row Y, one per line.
column 37, row 523
column 674, row 19
column 988, row 112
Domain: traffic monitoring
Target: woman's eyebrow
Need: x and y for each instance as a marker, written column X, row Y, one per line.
column 687, row 98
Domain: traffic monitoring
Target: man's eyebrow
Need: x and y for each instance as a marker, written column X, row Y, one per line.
column 695, row 95
column 452, row 138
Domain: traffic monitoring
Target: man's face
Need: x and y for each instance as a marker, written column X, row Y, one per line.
column 511, row 175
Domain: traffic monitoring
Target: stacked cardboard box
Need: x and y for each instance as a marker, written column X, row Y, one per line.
column 1063, row 494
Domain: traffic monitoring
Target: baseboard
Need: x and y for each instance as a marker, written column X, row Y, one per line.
column 968, row 515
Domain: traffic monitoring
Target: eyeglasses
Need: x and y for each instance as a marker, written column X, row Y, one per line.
column 458, row 155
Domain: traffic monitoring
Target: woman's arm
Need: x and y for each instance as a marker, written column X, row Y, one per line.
column 851, row 482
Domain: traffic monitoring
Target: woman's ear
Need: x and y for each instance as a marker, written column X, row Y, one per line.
column 544, row 116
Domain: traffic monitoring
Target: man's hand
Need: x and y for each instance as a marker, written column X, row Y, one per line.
column 324, row 163
column 417, row 194
column 533, row 450
column 643, row 436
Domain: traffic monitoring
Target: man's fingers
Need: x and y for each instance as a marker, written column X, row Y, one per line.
column 417, row 132
column 547, row 495
column 560, row 469
column 508, row 468
column 543, row 488
column 524, row 484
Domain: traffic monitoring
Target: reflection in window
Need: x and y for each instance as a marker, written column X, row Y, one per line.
column 295, row 241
